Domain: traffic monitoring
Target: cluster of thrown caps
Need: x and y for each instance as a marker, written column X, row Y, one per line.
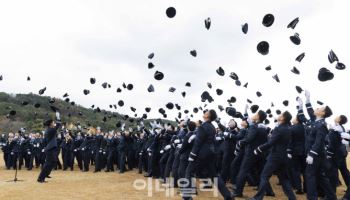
column 262, row 48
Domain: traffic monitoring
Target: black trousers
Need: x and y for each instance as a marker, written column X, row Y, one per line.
column 298, row 169
column 316, row 176
column 341, row 162
column 50, row 162
column 249, row 163
column 235, row 165
column 162, row 164
column 169, row 163
column 122, row 158
column 78, row 156
column 194, row 167
column 86, row 159
column 110, row 160
column 226, row 163
column 278, row 165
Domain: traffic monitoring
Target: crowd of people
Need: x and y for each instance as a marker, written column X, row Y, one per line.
column 305, row 153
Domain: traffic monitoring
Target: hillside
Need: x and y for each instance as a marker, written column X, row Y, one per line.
column 30, row 117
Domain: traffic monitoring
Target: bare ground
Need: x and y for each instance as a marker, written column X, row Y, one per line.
column 69, row 185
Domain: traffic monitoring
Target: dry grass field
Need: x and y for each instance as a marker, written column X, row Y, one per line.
column 69, row 185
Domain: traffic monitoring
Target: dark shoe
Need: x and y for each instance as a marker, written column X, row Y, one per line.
column 48, row 176
column 234, row 194
column 252, row 198
column 148, row 175
column 270, row 194
column 106, row 170
column 42, row 181
column 299, row 192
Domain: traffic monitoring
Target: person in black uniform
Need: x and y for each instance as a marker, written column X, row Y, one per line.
column 315, row 171
column 50, row 148
column 7, row 149
column 67, row 151
column 336, row 151
column 122, row 151
column 237, row 161
column 203, row 154
column 111, row 152
column 296, row 149
column 185, row 149
column 277, row 160
column 98, row 150
column 77, row 141
column 86, row 150
column 229, row 146
column 255, row 136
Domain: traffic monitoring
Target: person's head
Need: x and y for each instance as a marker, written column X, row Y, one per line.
column 284, row 118
column 232, row 124
column 181, row 124
column 191, row 126
column 49, row 123
column 341, row 120
column 259, row 117
column 323, row 112
column 244, row 124
column 126, row 133
column 209, row 116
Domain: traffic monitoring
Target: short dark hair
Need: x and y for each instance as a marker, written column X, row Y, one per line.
column 287, row 117
column 191, row 126
column 47, row 123
column 343, row 119
column 212, row 115
column 262, row 115
column 327, row 112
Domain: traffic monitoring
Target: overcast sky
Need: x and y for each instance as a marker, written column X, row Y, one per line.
column 61, row 44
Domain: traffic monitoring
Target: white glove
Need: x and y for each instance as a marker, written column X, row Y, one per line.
column 246, row 108
column 236, row 153
column 345, row 142
column 191, row 138
column 29, row 153
column 289, row 155
column 261, row 125
column 179, row 146
column 58, row 116
column 177, row 141
column 75, row 150
column 226, row 133
column 309, row 160
column 255, row 152
column 300, row 103
column 161, row 151
column 218, row 138
column 338, row 128
column 149, row 154
column 307, row 95
column 190, row 159
column 167, row 147
column 123, row 127
column 43, row 150
column 250, row 121
column 345, row 135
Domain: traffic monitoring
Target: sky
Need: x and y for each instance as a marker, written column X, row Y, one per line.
column 61, row 44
